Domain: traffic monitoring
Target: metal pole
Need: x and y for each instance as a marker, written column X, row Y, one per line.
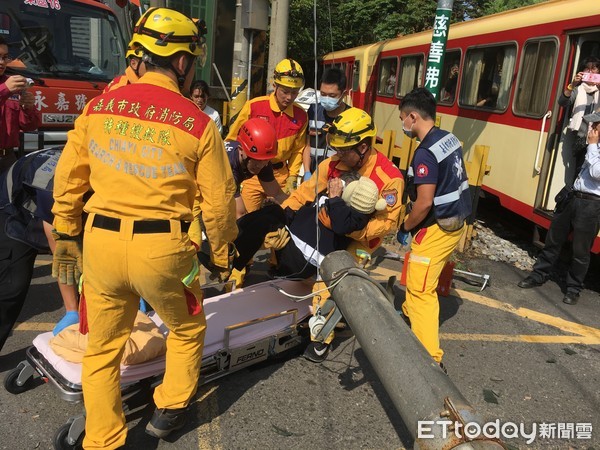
column 221, row 81
column 250, row 44
column 437, row 50
column 239, row 82
column 278, row 37
column 427, row 400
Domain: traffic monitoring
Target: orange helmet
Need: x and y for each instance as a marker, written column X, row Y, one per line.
column 258, row 140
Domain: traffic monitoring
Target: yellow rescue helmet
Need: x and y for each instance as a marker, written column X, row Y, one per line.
column 350, row 127
column 133, row 49
column 164, row 32
column 289, row 73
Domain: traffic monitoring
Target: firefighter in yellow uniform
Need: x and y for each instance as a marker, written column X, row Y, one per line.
column 146, row 151
column 289, row 121
column 439, row 191
column 350, row 136
column 135, row 67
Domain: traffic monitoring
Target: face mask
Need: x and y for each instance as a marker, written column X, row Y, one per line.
column 409, row 132
column 329, row 103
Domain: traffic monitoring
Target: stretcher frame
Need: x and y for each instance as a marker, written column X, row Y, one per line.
column 226, row 360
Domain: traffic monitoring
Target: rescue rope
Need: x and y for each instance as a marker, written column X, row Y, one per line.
column 337, row 278
column 298, row 298
column 315, row 115
column 316, row 172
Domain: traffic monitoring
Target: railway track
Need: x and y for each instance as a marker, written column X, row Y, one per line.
column 501, row 235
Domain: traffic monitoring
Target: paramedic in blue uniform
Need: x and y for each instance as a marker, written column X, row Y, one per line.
column 25, row 229
column 148, row 153
column 439, row 192
column 581, row 214
column 330, row 105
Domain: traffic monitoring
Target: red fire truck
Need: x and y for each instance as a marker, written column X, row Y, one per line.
column 70, row 49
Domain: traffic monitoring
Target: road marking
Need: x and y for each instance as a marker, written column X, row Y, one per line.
column 209, row 433
column 585, row 334
column 42, row 262
column 529, row 338
column 553, row 321
column 34, row 326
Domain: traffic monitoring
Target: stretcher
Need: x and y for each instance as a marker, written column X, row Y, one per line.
column 244, row 327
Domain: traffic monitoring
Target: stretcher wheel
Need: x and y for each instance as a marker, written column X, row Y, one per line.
column 10, row 382
column 61, row 441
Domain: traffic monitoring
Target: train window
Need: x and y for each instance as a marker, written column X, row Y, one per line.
column 387, row 76
column 411, row 74
column 449, row 77
column 535, row 78
column 487, row 77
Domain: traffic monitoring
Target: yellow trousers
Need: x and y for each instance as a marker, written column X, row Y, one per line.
column 253, row 193
column 430, row 249
column 119, row 268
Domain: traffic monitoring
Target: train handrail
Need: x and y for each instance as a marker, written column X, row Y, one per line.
column 536, row 167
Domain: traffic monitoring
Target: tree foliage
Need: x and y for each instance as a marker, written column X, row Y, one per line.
column 349, row 23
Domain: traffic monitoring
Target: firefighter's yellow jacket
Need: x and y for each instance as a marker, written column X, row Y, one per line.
column 389, row 182
column 146, row 152
column 122, row 80
column 289, row 124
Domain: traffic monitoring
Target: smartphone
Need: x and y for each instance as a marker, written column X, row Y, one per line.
column 589, row 77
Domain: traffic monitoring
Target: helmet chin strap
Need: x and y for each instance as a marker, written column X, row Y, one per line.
column 137, row 67
column 181, row 78
column 361, row 156
column 245, row 164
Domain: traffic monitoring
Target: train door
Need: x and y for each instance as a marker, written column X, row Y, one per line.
column 559, row 165
column 354, row 84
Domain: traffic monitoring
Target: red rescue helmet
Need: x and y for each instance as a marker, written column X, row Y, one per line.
column 258, row 140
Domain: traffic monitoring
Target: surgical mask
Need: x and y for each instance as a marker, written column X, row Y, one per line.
column 329, row 103
column 408, row 132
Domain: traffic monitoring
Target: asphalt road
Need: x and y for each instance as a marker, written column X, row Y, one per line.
column 517, row 356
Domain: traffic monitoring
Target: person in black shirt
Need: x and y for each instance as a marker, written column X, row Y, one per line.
column 332, row 89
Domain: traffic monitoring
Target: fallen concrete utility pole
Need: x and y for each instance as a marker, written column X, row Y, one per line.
column 432, row 408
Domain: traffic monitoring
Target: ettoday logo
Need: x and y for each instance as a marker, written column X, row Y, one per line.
column 504, row 431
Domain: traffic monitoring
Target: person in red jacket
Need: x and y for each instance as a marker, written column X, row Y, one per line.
column 289, row 121
column 17, row 109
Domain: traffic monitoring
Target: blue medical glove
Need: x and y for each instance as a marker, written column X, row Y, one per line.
column 403, row 238
column 306, row 176
column 70, row 318
column 403, row 235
